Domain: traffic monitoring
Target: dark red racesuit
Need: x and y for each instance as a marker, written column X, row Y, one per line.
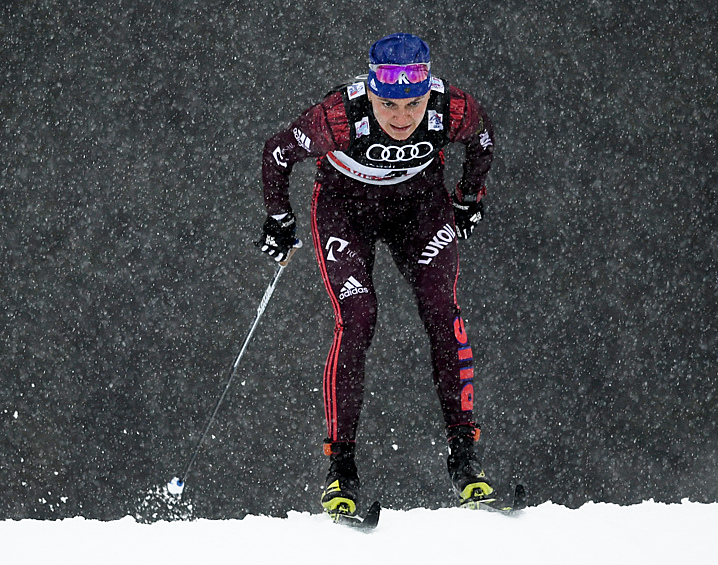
column 371, row 187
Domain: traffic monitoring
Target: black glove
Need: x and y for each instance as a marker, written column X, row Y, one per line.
column 278, row 236
column 467, row 216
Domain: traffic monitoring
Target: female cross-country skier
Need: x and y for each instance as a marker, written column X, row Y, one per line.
column 380, row 176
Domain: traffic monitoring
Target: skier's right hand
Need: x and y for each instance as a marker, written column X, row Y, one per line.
column 278, row 236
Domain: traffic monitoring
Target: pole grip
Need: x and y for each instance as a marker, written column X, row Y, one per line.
column 297, row 245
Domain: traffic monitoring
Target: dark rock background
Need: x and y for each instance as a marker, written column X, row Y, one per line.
column 130, row 195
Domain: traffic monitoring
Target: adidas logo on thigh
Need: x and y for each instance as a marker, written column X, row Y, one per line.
column 352, row 287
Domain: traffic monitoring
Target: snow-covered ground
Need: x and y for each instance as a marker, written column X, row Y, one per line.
column 648, row 533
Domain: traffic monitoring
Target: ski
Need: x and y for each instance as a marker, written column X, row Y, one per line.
column 517, row 503
column 367, row 524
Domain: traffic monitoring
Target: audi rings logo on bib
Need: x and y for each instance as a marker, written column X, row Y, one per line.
column 399, row 154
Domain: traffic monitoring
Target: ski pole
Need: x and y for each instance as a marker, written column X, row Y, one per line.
column 176, row 485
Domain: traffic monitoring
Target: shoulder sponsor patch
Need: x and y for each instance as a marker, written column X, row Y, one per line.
column 485, row 139
column 437, row 84
column 356, row 90
column 302, row 139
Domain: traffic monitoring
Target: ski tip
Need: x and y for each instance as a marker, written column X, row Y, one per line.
column 372, row 517
column 367, row 524
column 517, row 504
column 502, row 505
column 520, row 497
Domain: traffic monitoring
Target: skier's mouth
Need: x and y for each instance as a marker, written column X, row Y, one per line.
column 400, row 132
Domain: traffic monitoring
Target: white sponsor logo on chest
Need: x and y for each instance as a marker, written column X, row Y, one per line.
column 362, row 127
column 436, row 120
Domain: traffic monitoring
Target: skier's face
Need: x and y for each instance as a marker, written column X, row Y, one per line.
column 399, row 117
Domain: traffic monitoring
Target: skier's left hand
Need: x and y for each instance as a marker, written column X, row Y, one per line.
column 467, row 216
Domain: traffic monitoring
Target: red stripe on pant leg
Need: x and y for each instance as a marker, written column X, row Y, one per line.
column 320, row 253
column 330, row 384
column 330, row 368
